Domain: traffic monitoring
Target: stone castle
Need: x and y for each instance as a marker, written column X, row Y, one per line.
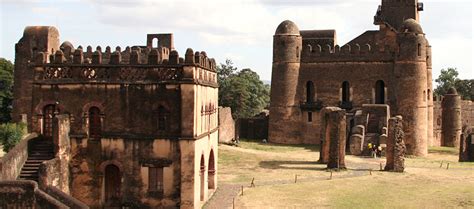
column 376, row 75
column 133, row 127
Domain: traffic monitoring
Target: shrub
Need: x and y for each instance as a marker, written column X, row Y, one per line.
column 11, row 134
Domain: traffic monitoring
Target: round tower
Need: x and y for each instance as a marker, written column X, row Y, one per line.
column 412, row 85
column 452, row 121
column 284, row 108
column 429, row 79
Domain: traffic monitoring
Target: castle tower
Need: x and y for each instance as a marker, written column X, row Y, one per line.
column 35, row 39
column 395, row 12
column 451, row 116
column 429, row 76
column 284, row 107
column 412, row 80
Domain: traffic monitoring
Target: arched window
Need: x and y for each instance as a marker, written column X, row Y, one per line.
column 49, row 111
column 346, row 92
column 95, row 126
column 309, row 92
column 155, row 43
column 429, row 94
column 201, row 173
column 379, row 92
column 112, row 184
column 162, row 118
column 211, row 171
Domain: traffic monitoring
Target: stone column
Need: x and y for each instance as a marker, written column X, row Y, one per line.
column 334, row 142
column 452, row 121
column 395, row 152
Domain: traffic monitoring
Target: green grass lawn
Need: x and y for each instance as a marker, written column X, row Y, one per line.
column 423, row 184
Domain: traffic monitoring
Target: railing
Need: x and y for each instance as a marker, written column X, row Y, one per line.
column 312, row 106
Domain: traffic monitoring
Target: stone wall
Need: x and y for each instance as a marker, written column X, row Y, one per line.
column 26, row 194
column 12, row 162
column 255, row 127
column 226, row 125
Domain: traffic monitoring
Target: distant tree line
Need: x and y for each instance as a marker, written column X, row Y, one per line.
column 449, row 78
column 242, row 91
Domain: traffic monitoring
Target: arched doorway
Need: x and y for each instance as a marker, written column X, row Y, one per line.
column 211, row 173
column 379, row 92
column 201, row 173
column 95, row 126
column 113, row 182
column 49, row 112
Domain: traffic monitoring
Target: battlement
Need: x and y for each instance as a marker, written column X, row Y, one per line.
column 348, row 52
column 133, row 65
column 136, row 55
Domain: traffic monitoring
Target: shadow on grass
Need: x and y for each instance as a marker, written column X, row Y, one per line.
column 269, row 145
column 296, row 165
column 443, row 150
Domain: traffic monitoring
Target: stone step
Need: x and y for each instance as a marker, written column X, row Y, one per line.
column 27, row 168
column 33, row 172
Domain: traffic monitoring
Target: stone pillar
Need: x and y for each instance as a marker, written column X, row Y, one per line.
column 357, row 140
column 334, row 141
column 452, row 121
column 395, row 152
column 466, row 148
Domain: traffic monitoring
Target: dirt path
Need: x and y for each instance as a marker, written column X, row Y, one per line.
column 223, row 197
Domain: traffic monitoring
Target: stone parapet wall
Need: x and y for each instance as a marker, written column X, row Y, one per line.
column 26, row 194
column 12, row 162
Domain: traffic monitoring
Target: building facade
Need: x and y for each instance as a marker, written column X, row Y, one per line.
column 391, row 65
column 143, row 120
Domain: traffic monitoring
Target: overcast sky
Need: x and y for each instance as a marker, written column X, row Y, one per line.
column 240, row 30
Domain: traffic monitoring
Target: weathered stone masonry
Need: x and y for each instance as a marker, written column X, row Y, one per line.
column 390, row 66
column 143, row 120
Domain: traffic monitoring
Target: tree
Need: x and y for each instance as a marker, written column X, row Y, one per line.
column 242, row 91
column 11, row 134
column 6, row 87
column 448, row 79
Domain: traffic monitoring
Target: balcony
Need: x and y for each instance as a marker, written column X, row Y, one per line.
column 312, row 106
column 347, row 105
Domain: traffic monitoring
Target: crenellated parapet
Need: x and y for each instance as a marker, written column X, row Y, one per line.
column 135, row 55
column 346, row 53
column 132, row 65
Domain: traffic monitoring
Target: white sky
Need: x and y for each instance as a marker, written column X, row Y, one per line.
column 240, row 30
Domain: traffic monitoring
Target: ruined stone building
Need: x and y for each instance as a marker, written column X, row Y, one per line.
column 142, row 126
column 388, row 68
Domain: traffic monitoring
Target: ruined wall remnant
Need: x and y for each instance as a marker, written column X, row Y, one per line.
column 334, row 137
column 226, row 125
column 466, row 149
column 452, row 121
column 395, row 151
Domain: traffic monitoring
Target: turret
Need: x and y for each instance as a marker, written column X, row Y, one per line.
column 35, row 40
column 411, row 86
column 287, row 46
column 395, row 12
column 452, row 121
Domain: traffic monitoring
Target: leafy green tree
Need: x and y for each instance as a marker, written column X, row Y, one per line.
column 6, row 87
column 448, row 79
column 242, row 91
column 10, row 134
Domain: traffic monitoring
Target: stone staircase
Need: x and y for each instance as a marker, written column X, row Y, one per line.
column 39, row 150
